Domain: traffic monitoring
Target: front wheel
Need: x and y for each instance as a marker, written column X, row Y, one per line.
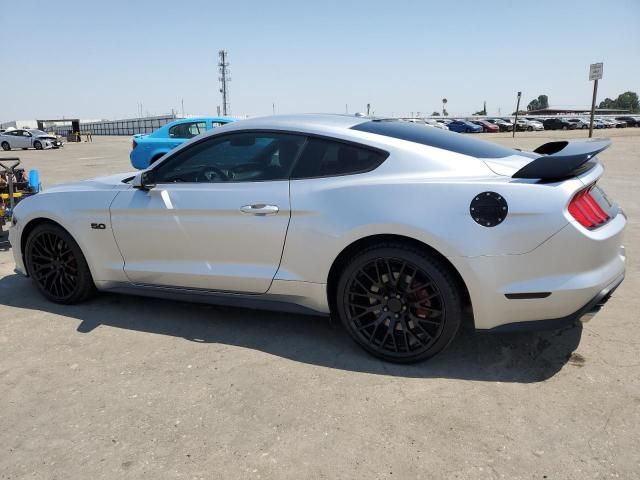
column 529, row 128
column 57, row 266
column 37, row 145
column 5, row 146
column 399, row 303
column 564, row 127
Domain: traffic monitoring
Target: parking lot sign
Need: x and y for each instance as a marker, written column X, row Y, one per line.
column 595, row 71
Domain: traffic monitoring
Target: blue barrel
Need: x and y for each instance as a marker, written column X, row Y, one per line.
column 34, row 180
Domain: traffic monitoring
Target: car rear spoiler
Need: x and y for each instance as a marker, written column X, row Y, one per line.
column 562, row 159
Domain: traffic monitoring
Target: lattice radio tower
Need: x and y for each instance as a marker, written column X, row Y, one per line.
column 223, row 69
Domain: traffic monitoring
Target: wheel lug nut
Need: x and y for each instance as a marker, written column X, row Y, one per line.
column 386, row 297
column 397, row 316
column 404, row 307
column 385, row 309
column 398, row 296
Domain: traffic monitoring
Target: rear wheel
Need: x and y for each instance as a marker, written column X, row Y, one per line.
column 37, row 145
column 399, row 303
column 529, row 128
column 564, row 127
column 5, row 146
column 57, row 266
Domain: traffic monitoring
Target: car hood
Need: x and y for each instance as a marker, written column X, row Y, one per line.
column 100, row 183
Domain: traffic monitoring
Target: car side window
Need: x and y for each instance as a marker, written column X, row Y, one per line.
column 187, row 130
column 239, row 157
column 325, row 158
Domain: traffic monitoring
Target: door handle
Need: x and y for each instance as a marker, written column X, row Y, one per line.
column 260, row 209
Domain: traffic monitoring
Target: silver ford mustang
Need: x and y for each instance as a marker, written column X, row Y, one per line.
column 401, row 231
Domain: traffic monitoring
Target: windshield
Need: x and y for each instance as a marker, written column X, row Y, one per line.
column 34, row 131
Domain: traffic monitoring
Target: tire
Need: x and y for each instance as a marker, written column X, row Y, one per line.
column 5, row 146
column 584, row 127
column 564, row 127
column 529, row 128
column 406, row 316
column 37, row 145
column 57, row 266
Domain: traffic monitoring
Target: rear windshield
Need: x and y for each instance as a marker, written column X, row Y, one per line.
column 435, row 137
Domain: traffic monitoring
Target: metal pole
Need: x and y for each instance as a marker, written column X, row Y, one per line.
column 515, row 122
column 593, row 107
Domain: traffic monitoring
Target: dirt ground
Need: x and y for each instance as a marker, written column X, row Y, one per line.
column 126, row 387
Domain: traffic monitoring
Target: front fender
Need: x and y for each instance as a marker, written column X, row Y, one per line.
column 74, row 211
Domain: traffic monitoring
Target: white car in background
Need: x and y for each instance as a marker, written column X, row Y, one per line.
column 529, row 125
column 581, row 123
column 400, row 231
column 429, row 122
column 28, row 138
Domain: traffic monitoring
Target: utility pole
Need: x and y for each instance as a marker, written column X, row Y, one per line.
column 515, row 122
column 368, row 108
column 595, row 74
column 273, row 108
column 182, row 104
column 223, row 69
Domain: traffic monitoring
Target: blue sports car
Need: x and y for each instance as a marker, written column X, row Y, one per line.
column 149, row 148
column 462, row 126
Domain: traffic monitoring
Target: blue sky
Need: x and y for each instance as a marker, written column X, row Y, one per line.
column 99, row 59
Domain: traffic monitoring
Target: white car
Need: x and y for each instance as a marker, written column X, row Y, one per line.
column 529, row 125
column 428, row 122
column 28, row 138
column 400, row 231
column 607, row 122
column 581, row 123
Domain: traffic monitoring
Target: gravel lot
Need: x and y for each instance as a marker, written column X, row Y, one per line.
column 125, row 387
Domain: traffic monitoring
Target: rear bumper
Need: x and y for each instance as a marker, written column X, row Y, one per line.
column 584, row 314
column 563, row 278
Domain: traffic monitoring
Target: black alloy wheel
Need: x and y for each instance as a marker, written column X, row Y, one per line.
column 37, row 145
column 56, row 265
column 5, row 146
column 398, row 303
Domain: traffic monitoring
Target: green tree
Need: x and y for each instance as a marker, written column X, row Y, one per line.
column 539, row 103
column 435, row 114
column 625, row 101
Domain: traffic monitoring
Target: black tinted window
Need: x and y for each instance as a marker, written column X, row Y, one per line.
column 435, row 137
column 187, row 130
column 324, row 158
column 241, row 157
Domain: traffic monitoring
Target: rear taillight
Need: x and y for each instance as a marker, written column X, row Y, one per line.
column 134, row 144
column 586, row 210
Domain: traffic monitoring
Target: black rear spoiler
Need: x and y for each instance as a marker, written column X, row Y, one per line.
column 562, row 159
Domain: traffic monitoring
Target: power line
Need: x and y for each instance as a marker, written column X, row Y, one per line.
column 224, row 78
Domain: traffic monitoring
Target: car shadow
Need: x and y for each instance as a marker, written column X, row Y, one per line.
column 522, row 358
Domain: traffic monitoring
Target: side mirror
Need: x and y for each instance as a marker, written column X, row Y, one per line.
column 144, row 180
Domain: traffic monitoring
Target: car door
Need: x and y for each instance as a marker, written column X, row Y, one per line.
column 216, row 218
column 18, row 139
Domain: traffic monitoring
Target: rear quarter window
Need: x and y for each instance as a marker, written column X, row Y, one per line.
column 327, row 158
column 433, row 137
